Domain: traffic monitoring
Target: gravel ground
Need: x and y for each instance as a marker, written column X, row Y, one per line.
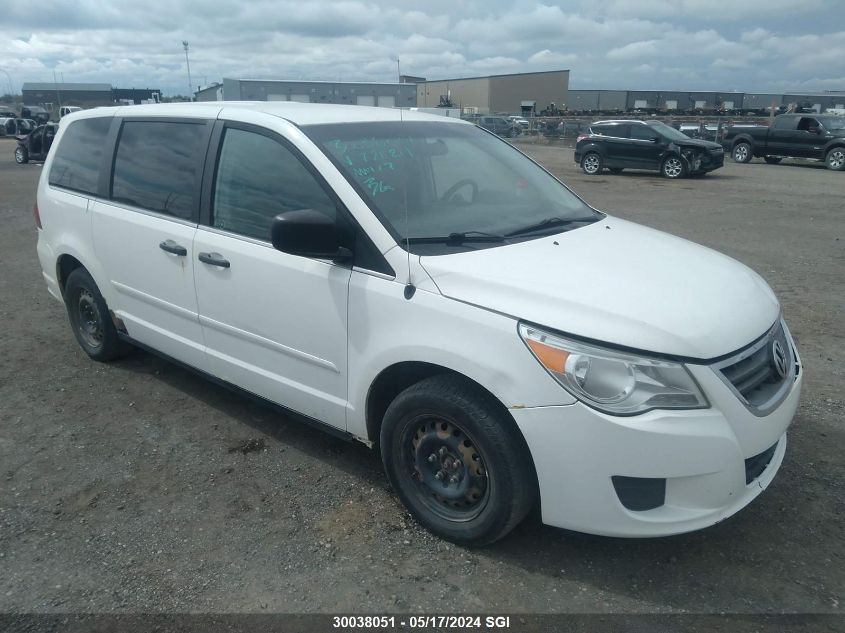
column 139, row 487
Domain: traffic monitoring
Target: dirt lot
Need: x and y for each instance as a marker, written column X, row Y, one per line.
column 137, row 486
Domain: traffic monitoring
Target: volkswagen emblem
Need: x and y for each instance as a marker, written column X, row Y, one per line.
column 779, row 359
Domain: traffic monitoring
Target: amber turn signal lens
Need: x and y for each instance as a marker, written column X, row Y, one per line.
column 552, row 358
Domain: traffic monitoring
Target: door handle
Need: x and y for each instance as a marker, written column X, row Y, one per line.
column 169, row 246
column 214, row 259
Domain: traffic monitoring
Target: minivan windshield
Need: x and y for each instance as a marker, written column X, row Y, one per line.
column 449, row 185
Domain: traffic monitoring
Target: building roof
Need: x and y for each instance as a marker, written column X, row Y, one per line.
column 66, row 87
column 298, row 113
column 539, row 72
column 319, row 81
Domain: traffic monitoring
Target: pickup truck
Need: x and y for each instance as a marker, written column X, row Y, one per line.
column 794, row 135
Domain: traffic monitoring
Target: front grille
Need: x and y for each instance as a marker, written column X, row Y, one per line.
column 761, row 374
column 754, row 466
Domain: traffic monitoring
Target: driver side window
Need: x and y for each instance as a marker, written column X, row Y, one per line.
column 257, row 179
column 643, row 133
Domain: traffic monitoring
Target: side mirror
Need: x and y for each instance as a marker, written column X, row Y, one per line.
column 309, row 233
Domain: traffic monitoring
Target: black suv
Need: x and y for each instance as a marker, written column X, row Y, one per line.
column 499, row 125
column 617, row 145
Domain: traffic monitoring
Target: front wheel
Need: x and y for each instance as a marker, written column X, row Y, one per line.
column 457, row 460
column 742, row 153
column 21, row 155
column 835, row 159
column 673, row 167
column 592, row 164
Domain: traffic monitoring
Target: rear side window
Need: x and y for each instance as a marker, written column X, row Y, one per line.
column 259, row 178
column 157, row 166
column 79, row 156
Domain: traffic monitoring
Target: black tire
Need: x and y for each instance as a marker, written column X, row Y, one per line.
column 90, row 319
column 457, row 461
column 742, row 152
column 21, row 155
column 592, row 163
column 835, row 159
column 673, row 167
column 773, row 160
column 616, row 170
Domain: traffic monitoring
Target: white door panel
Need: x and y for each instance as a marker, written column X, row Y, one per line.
column 151, row 290
column 275, row 324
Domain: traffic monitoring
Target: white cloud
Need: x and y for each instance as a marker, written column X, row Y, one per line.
column 759, row 45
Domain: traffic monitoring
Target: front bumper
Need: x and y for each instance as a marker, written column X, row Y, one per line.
column 701, row 455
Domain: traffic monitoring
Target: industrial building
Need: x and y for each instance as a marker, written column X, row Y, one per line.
column 695, row 102
column 522, row 92
column 50, row 95
column 342, row 92
column 86, row 95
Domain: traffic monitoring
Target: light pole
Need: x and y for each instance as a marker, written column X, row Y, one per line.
column 188, row 64
column 9, row 77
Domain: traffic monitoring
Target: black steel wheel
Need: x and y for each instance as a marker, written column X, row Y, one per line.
column 90, row 319
column 457, row 460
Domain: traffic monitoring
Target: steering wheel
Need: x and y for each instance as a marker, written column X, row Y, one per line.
column 451, row 191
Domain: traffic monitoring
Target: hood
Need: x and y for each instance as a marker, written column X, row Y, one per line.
column 617, row 282
column 697, row 142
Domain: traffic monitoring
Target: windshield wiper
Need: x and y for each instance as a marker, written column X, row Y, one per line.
column 548, row 223
column 458, row 238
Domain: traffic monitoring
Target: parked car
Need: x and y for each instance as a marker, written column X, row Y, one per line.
column 821, row 137
column 424, row 287
column 12, row 126
column 37, row 113
column 65, row 110
column 499, row 125
column 35, row 145
column 519, row 121
column 617, row 145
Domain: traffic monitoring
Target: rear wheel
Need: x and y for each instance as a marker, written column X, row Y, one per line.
column 835, row 159
column 21, row 155
column 673, row 167
column 90, row 319
column 773, row 160
column 742, row 153
column 592, row 163
column 457, row 461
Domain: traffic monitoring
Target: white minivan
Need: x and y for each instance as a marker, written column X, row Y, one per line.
column 414, row 282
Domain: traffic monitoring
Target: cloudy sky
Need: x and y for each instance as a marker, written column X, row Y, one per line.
column 745, row 45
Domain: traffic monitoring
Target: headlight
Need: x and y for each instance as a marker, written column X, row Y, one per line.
column 615, row 382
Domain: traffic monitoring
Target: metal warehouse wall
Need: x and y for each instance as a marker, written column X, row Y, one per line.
column 823, row 101
column 507, row 92
column 465, row 93
column 68, row 97
column 758, row 101
column 404, row 95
